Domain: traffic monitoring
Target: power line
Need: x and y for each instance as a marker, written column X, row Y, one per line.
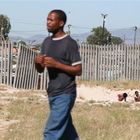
column 79, row 27
column 29, row 23
column 29, row 31
column 72, row 26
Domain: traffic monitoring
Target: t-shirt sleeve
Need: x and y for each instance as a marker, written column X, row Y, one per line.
column 42, row 49
column 45, row 45
column 73, row 54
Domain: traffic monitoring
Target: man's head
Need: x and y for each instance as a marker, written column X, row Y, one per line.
column 125, row 95
column 56, row 20
column 137, row 93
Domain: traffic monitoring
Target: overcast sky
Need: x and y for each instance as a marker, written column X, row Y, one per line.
column 28, row 17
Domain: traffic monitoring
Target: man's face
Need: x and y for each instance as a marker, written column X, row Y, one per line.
column 53, row 22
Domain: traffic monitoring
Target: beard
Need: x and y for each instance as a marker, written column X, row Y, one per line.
column 53, row 31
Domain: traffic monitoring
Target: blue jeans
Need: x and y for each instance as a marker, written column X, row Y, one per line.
column 59, row 125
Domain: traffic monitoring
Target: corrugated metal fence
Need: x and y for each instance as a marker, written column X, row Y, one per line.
column 111, row 62
column 101, row 63
column 6, row 62
column 26, row 76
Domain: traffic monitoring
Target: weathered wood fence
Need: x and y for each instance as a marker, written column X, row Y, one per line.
column 100, row 63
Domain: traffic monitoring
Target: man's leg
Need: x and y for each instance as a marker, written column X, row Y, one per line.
column 60, row 107
column 70, row 132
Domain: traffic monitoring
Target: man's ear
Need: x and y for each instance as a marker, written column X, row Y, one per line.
column 61, row 23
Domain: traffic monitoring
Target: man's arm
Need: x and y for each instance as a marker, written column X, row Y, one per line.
column 39, row 63
column 72, row 70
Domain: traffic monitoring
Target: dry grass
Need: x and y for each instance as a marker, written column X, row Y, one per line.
column 29, row 111
column 93, row 122
column 116, row 122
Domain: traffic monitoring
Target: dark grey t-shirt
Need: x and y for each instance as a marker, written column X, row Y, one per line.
column 66, row 51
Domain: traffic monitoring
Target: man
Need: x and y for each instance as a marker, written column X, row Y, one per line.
column 137, row 96
column 122, row 97
column 60, row 55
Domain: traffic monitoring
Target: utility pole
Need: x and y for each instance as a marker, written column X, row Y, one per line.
column 124, row 39
column 104, row 16
column 135, row 32
column 69, row 25
column 69, row 30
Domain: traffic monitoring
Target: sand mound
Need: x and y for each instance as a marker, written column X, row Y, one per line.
column 98, row 94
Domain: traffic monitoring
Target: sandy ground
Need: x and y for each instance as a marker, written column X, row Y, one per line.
column 84, row 93
column 99, row 94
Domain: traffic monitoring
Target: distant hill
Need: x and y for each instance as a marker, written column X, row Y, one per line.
column 125, row 34
column 80, row 37
column 33, row 40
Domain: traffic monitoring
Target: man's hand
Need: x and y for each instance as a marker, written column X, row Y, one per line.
column 50, row 62
column 39, row 59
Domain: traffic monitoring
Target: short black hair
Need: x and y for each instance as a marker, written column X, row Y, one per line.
column 61, row 15
column 125, row 95
column 137, row 93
